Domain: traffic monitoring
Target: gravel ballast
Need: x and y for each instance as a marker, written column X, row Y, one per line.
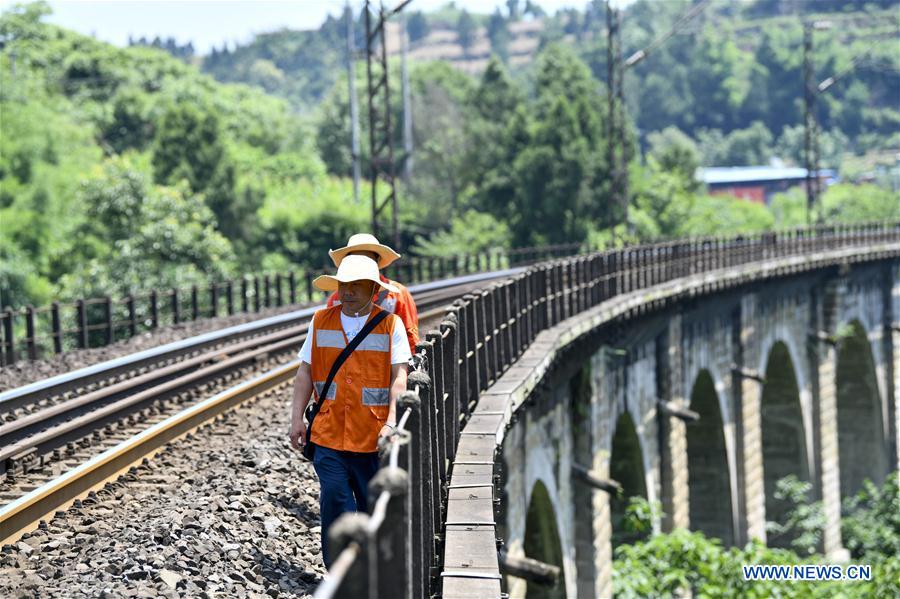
column 230, row 511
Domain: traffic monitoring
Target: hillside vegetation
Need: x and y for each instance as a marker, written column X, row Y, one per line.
column 128, row 169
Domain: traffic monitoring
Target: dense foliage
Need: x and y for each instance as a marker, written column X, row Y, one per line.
column 123, row 169
column 98, row 140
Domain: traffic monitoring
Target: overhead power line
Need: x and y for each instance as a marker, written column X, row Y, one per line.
column 827, row 83
column 679, row 24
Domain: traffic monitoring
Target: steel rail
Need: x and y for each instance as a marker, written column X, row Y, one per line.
column 24, row 513
column 34, row 392
column 25, row 439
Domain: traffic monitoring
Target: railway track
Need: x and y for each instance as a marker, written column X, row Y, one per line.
column 65, row 437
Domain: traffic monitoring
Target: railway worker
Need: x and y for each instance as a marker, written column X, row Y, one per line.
column 398, row 302
column 359, row 406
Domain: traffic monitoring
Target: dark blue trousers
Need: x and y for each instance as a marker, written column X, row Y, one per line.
column 343, row 486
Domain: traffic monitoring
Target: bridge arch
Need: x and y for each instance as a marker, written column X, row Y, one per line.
column 861, row 440
column 626, row 466
column 542, row 541
column 784, row 437
column 709, row 480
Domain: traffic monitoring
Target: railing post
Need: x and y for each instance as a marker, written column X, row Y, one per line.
column 132, row 319
column 30, row 341
column 244, row 302
column 351, row 528
column 268, row 290
column 154, row 309
column 450, row 327
column 8, row 336
column 57, row 328
column 82, row 325
column 256, row 298
column 107, row 308
column 176, row 307
column 214, row 300
column 229, row 296
column 391, row 554
column 292, row 285
column 417, row 512
column 309, row 286
column 195, row 305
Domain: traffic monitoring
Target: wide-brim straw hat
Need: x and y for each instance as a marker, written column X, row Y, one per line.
column 364, row 242
column 353, row 268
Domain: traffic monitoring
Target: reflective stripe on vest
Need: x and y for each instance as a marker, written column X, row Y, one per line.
column 358, row 400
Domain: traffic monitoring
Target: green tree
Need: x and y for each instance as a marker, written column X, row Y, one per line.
column 465, row 30
column 189, row 147
column 417, row 26
column 676, row 152
column 498, row 33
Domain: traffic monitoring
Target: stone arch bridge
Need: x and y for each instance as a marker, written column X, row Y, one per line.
column 699, row 393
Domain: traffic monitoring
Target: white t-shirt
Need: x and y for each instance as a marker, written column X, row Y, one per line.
column 400, row 353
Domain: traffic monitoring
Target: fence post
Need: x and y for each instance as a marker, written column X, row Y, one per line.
column 348, row 529
column 244, row 306
column 256, row 298
column 214, row 300
column 426, row 455
column 176, row 307
column 292, row 285
column 9, row 342
column 309, row 286
column 195, row 305
column 82, row 324
column 107, row 305
column 451, row 371
column 268, row 287
column 229, row 296
column 419, row 570
column 391, row 550
column 132, row 319
column 57, row 329
column 154, row 309
column 30, row 341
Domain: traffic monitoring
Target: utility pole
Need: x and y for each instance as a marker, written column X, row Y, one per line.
column 810, row 122
column 407, row 105
column 382, row 166
column 623, row 125
column 354, row 108
column 615, row 78
column 612, row 93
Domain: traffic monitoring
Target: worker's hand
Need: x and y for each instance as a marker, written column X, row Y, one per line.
column 298, row 433
column 387, row 430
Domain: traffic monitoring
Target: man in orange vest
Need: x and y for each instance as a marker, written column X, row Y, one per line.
column 398, row 302
column 359, row 406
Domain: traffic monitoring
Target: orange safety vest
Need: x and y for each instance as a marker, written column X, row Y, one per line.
column 357, row 404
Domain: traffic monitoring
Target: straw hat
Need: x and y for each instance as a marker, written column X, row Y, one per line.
column 352, row 268
column 363, row 242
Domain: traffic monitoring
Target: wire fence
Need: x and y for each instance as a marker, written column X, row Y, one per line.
column 397, row 549
column 35, row 333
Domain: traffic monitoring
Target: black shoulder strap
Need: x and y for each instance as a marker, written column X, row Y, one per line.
column 354, row 343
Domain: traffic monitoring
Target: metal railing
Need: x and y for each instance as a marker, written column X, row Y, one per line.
column 33, row 333
column 397, row 550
